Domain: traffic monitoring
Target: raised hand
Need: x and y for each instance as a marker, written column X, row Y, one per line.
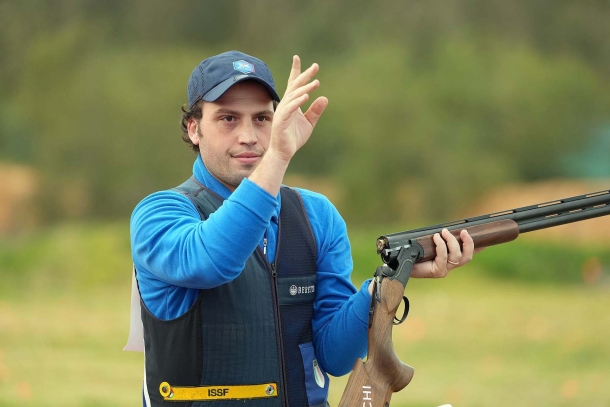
column 291, row 127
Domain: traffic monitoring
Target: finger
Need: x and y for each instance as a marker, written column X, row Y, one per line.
column 441, row 247
column 468, row 249
column 303, row 78
column 295, row 71
column 455, row 254
column 298, row 92
column 316, row 109
column 439, row 266
column 291, row 107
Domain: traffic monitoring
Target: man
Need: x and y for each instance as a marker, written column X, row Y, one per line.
column 245, row 284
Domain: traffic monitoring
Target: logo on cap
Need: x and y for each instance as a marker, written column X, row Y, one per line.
column 243, row 66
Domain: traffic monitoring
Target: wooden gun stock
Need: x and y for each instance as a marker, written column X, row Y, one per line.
column 372, row 383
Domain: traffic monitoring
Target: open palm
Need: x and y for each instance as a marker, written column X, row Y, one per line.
column 291, row 127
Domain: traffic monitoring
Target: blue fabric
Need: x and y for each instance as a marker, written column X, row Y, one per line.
column 214, row 75
column 176, row 254
column 316, row 395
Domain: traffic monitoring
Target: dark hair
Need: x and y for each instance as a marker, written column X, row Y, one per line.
column 196, row 112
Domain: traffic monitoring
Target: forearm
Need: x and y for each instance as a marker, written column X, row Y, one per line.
column 170, row 240
column 269, row 173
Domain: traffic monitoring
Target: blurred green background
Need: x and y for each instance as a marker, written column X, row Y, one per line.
column 438, row 110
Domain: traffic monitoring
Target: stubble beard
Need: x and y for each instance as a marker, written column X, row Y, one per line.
column 220, row 168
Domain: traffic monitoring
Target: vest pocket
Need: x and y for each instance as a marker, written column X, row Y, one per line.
column 316, row 379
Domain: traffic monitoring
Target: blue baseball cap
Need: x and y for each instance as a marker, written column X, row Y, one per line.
column 215, row 75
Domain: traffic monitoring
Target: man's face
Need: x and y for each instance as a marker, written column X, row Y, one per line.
column 234, row 131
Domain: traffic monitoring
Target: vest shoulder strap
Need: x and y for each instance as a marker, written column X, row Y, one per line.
column 205, row 200
column 297, row 234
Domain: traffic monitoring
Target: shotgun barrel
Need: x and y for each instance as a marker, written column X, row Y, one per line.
column 524, row 219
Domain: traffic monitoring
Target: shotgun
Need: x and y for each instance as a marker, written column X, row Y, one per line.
column 372, row 382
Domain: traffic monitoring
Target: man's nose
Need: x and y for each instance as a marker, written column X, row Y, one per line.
column 247, row 133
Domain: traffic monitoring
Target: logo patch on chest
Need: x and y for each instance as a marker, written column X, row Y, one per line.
column 304, row 289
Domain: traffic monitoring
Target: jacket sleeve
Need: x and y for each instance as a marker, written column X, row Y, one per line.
column 171, row 242
column 340, row 311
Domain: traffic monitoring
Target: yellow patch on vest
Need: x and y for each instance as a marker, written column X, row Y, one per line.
column 201, row 393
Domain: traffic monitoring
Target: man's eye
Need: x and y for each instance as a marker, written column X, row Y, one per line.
column 228, row 119
column 262, row 118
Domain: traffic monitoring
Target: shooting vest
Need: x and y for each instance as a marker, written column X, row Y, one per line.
column 247, row 342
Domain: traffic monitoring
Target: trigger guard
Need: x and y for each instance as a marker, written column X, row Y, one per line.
column 405, row 313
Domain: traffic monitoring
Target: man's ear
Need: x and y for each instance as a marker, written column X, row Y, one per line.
column 193, row 128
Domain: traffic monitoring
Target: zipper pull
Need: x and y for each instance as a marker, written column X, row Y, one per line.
column 265, row 246
column 273, row 272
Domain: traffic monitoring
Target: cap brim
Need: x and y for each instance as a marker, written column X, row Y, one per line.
column 222, row 87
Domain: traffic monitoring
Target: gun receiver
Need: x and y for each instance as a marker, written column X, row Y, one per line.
column 372, row 382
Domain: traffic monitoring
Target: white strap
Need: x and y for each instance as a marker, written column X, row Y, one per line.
column 135, row 342
column 145, row 388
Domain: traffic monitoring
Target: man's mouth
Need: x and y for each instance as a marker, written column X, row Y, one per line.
column 247, row 158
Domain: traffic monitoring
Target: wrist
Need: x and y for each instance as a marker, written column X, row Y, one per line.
column 276, row 159
column 269, row 173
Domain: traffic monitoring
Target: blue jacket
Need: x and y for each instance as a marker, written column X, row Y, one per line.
column 171, row 246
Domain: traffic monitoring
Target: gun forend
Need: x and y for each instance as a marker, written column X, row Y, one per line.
column 483, row 235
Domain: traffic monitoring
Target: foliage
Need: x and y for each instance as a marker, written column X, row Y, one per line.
column 542, row 262
column 431, row 104
column 77, row 257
